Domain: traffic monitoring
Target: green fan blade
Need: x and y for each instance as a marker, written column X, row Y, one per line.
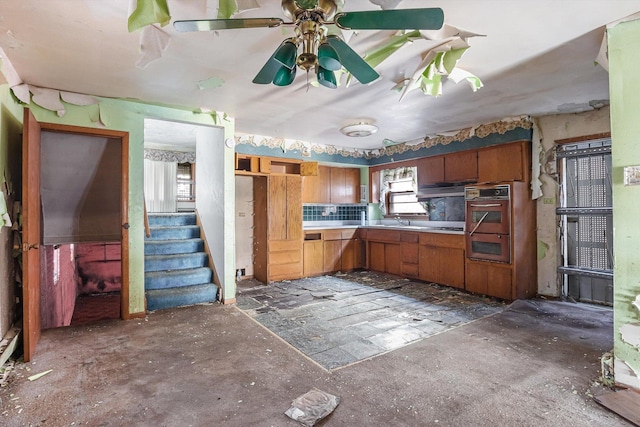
column 268, row 71
column 397, row 19
column 352, row 61
column 226, row 24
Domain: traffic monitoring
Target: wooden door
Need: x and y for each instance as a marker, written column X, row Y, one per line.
column 392, row 258
column 376, row 256
column 30, row 233
column 331, row 255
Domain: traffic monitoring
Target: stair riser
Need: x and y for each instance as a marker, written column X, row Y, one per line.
column 175, row 233
column 164, row 281
column 171, row 247
column 171, row 220
column 175, row 263
column 163, row 299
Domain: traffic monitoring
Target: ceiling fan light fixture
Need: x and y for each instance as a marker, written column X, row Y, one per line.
column 284, row 76
column 326, row 77
column 328, row 57
column 359, row 130
column 286, row 54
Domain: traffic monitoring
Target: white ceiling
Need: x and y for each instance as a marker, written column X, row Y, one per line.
column 537, row 58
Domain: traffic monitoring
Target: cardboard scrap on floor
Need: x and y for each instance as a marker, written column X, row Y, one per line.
column 625, row 403
column 312, row 406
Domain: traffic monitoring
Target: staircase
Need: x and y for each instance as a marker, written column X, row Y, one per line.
column 175, row 264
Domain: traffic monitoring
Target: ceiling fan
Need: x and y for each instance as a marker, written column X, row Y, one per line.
column 320, row 51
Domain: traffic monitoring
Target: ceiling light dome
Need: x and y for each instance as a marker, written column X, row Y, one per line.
column 359, row 130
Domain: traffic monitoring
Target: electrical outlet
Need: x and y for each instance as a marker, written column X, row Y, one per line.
column 242, row 272
column 242, row 214
column 548, row 200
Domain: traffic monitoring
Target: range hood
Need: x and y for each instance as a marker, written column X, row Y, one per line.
column 440, row 190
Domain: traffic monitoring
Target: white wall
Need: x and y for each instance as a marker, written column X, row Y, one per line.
column 244, row 224
column 215, row 187
column 552, row 128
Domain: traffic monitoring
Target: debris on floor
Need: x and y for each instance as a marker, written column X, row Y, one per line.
column 312, row 406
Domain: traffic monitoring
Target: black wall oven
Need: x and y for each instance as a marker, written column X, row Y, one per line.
column 488, row 222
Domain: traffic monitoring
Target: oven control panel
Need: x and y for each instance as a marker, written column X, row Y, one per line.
column 494, row 192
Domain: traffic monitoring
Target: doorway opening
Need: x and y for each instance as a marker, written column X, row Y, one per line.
column 81, row 256
column 586, row 217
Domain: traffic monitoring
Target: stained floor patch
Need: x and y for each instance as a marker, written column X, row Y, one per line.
column 341, row 319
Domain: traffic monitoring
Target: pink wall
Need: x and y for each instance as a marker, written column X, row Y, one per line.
column 99, row 267
column 57, row 298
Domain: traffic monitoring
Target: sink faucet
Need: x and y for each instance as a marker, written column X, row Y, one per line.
column 401, row 221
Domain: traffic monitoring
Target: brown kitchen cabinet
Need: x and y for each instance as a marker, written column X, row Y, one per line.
column 430, row 170
column 409, row 254
column 442, row 259
column 383, row 251
column 278, row 240
column 502, row 163
column 489, row 278
column 461, row 166
column 331, row 250
column 332, row 185
column 313, row 257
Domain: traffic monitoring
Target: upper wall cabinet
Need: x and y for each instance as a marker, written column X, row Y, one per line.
column 246, row 164
column 430, row 170
column 461, row 166
column 502, row 163
column 332, row 185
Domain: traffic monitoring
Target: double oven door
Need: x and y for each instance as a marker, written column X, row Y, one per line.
column 488, row 229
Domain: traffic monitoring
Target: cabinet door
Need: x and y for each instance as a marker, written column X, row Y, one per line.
column 338, row 189
column 317, row 189
column 501, row 163
column 489, row 279
column 451, row 267
column 294, row 208
column 313, row 263
column 461, row 166
column 277, row 207
column 429, row 260
column 352, row 185
column 331, row 255
column 374, row 186
column 348, row 258
column 430, row 170
column 392, row 258
column 376, row 256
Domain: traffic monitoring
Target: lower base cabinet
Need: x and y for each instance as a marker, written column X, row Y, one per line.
column 313, row 264
column 489, row 278
column 442, row 265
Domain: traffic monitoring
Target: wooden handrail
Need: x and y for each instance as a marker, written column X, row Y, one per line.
column 147, row 230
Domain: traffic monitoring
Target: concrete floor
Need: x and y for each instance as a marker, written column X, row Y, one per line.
column 534, row 364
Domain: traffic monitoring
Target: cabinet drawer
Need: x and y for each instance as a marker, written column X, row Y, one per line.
column 383, row 235
column 443, row 240
column 284, row 245
column 349, row 234
column 285, row 257
column 409, row 237
column 332, row 235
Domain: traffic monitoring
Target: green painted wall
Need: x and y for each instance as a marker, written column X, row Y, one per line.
column 129, row 116
column 624, row 57
column 10, row 171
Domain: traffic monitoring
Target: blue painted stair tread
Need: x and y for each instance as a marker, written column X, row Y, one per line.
column 176, row 267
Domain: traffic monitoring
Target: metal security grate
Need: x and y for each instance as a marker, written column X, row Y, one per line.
column 587, row 221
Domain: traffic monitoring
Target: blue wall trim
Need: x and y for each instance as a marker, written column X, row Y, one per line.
column 517, row 134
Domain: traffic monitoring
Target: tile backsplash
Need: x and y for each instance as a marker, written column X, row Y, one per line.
column 332, row 212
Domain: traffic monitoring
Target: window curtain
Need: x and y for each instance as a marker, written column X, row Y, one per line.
column 160, row 186
column 399, row 174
